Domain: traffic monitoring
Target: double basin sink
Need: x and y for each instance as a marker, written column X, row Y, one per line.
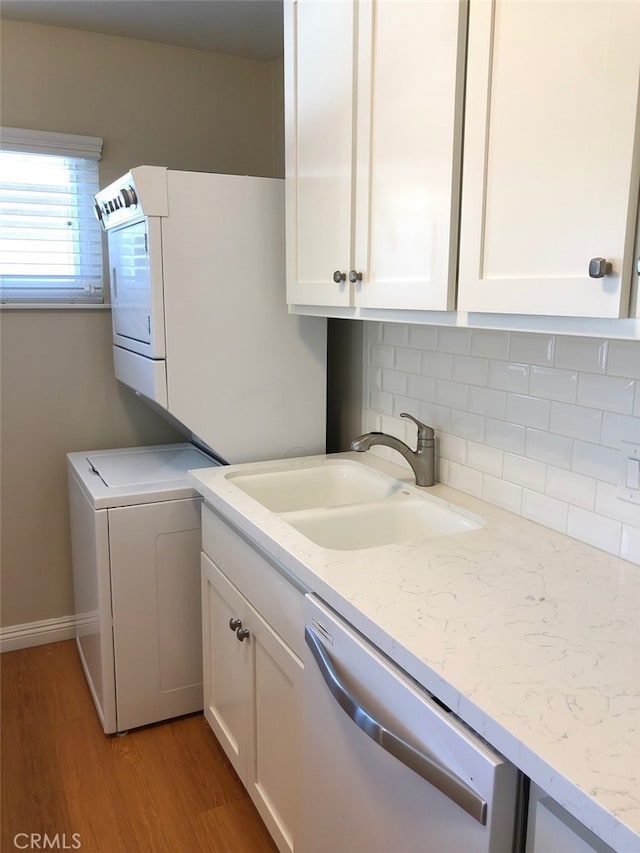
column 345, row 505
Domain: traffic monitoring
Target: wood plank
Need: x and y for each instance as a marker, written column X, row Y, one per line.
column 167, row 787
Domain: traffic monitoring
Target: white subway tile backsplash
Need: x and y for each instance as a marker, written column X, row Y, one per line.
column 630, row 545
column 438, row 364
column 395, row 334
column 617, row 428
column 554, row 384
column 509, row 437
column 442, row 469
column 454, row 340
column 572, row 488
column 469, row 369
column 421, row 387
column 588, row 354
column 608, row 503
column 501, row 493
column 545, row 510
column 549, row 448
column 436, row 416
column 452, row 448
column 489, row 344
column 382, row 356
column 508, row 376
column 484, row 458
column 531, row 349
column 465, row 479
column 467, row 424
column 453, row 394
column 394, row 381
column 594, row 529
column 423, row 337
column 524, row 472
column 530, row 422
column 606, row 392
column 624, row 359
column 528, row 411
column 595, row 461
column 381, row 401
column 387, row 422
column 375, row 377
column 408, row 360
column 487, row 401
column 403, row 404
column 370, row 419
column 373, row 334
column 575, row 421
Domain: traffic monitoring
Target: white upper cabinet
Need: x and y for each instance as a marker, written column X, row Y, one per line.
column 373, row 105
column 551, row 157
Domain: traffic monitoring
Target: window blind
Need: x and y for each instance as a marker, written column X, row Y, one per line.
column 50, row 240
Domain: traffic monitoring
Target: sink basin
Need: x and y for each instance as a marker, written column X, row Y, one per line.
column 384, row 522
column 343, row 505
column 329, row 485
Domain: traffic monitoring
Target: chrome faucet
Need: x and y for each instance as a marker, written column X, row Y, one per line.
column 422, row 460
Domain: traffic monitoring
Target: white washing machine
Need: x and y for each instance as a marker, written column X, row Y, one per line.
column 135, row 532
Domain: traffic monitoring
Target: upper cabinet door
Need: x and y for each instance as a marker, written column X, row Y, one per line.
column 373, row 105
column 409, row 135
column 319, row 103
column 551, row 157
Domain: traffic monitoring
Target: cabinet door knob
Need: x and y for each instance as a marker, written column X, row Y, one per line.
column 339, row 276
column 235, row 624
column 242, row 633
column 355, row 276
column 599, row 267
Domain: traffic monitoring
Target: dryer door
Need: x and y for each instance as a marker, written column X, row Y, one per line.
column 135, row 260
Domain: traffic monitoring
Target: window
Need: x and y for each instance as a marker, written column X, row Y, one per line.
column 50, row 239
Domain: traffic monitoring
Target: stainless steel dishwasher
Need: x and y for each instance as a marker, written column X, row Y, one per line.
column 386, row 769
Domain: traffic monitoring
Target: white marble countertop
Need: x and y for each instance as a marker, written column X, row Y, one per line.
column 531, row 637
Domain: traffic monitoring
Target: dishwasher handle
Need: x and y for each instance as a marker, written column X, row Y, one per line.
column 425, row 766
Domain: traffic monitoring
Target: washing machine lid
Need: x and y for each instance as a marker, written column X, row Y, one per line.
column 146, row 467
column 137, row 475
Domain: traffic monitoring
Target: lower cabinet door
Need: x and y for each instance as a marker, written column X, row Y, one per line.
column 274, row 774
column 252, row 683
column 157, row 638
column 227, row 663
column 551, row 829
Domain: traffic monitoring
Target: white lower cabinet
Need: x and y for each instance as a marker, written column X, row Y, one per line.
column 252, row 676
column 551, row 829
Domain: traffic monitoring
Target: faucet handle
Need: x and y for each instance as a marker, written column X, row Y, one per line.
column 425, row 433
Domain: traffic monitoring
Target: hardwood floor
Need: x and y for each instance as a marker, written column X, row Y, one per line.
column 167, row 787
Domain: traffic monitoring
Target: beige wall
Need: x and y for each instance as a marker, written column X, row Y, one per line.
column 277, row 94
column 152, row 104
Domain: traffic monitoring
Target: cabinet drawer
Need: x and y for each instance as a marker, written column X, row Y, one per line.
column 279, row 603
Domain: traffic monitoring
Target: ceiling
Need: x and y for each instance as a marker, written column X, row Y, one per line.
column 248, row 28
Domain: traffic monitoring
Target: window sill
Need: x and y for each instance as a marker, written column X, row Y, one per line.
column 55, row 306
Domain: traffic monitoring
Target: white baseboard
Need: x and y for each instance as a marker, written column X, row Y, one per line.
column 36, row 633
